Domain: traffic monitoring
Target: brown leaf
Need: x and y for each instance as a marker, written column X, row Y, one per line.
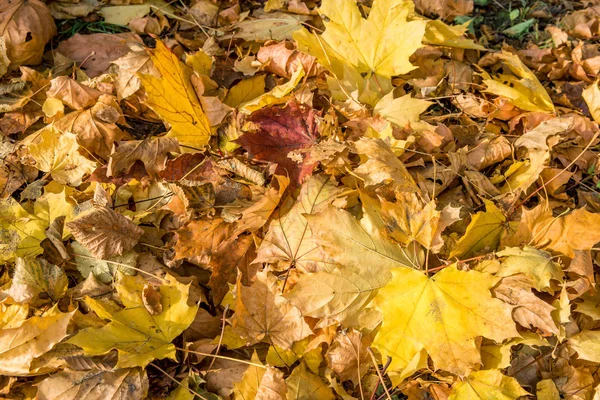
column 231, row 257
column 106, row 48
column 95, row 384
column 281, row 130
column 26, row 26
column 151, row 299
column 130, row 65
column 105, row 233
column 152, row 152
column 199, row 240
column 528, row 310
column 281, row 59
column 348, row 356
column 262, row 313
column 72, row 93
column 95, row 127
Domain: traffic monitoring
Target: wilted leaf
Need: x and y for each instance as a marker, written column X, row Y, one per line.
column 105, row 233
column 120, row 384
column 261, row 383
column 72, row 93
column 154, row 153
column 138, row 336
column 536, row 264
column 522, row 87
column 482, row 233
column 262, row 313
column 348, row 356
column 304, row 385
column 26, row 26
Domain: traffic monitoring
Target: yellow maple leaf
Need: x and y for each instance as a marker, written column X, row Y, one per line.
column 173, row 98
column 487, row 385
column 20, row 345
column 380, row 44
column 482, row 233
column 138, row 336
column 522, row 87
column 442, row 315
column 403, row 111
column 57, row 152
column 20, row 232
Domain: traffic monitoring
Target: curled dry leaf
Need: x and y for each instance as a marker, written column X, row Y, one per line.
column 105, row 233
column 26, row 26
column 74, row 94
column 154, row 153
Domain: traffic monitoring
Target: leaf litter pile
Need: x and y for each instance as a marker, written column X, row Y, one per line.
column 299, row 200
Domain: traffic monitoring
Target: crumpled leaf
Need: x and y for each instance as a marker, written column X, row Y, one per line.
column 536, row 264
column 26, row 26
column 154, row 153
column 72, row 93
column 348, row 356
column 443, row 314
column 138, row 336
column 487, row 384
column 262, row 313
column 173, row 98
column 105, row 233
column 120, row 384
column 36, row 281
column 19, row 346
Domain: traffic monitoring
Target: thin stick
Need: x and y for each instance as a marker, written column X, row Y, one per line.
column 379, row 373
column 223, row 358
column 221, row 335
column 177, row 382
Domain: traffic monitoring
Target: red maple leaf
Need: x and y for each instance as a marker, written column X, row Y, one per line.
column 281, row 129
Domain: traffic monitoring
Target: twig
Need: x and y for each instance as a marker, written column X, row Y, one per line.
column 379, row 374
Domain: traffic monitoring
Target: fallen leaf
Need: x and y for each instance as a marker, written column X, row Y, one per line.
column 120, row 384
column 105, row 233
column 173, row 98
column 304, row 385
column 37, row 282
column 72, row 93
column 98, row 50
column 536, row 264
column 26, row 26
column 522, row 87
column 483, row 232
column 58, row 153
column 380, row 44
column 280, row 131
column 487, row 384
column 154, row 153
column 261, row 383
column 444, row 315
column 19, row 346
column 262, row 313
column 348, row 356
column 138, row 336
column 289, row 241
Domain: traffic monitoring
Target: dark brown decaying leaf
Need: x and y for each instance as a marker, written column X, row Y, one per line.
column 105, row 233
column 152, row 152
